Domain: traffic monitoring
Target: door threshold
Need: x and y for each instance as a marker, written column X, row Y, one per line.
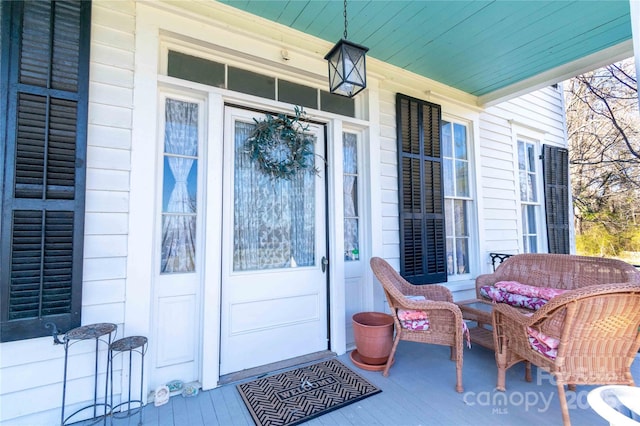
column 264, row 370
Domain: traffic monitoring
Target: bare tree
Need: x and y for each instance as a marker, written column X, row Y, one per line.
column 603, row 125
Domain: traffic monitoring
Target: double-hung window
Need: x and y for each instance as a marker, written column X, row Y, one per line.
column 529, row 198
column 457, row 195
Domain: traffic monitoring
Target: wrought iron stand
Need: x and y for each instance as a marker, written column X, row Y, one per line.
column 101, row 332
column 137, row 344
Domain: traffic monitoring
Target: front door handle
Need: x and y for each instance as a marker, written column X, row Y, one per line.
column 324, row 262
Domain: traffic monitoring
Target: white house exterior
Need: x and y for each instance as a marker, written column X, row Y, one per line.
column 214, row 320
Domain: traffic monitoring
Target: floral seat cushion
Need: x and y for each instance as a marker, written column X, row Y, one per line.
column 500, row 295
column 413, row 319
column 546, row 293
column 546, row 345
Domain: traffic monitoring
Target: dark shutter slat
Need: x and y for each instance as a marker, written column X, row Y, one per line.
column 61, row 149
column 422, row 232
column 31, row 140
column 35, row 50
column 66, row 46
column 34, row 271
column 556, row 195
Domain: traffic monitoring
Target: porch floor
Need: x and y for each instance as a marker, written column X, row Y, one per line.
column 418, row 391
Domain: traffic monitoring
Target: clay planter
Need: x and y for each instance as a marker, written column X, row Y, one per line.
column 373, row 333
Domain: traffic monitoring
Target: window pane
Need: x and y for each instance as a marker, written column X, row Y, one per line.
column 462, row 256
column 523, row 186
column 337, row 104
column 350, row 153
column 274, row 219
column 531, row 220
column 533, row 192
column 196, row 69
column 531, row 155
column 451, row 268
column 180, row 203
column 351, row 239
column 449, row 220
column 460, row 140
column 350, row 196
column 250, row 82
column 297, row 94
column 448, row 177
column 178, row 243
column 460, row 218
column 446, row 139
column 521, row 156
column 533, row 244
column 462, row 178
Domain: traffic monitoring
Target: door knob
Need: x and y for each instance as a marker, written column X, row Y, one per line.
column 324, row 262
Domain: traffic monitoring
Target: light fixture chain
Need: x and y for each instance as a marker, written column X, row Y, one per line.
column 345, row 19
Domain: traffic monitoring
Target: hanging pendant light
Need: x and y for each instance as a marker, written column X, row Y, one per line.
column 347, row 65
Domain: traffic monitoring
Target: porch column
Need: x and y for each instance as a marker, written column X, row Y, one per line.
column 635, row 31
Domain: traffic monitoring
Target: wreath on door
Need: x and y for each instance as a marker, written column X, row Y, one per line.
column 281, row 145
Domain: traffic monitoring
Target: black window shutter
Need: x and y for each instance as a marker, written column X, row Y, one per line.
column 421, row 202
column 45, row 77
column 556, row 197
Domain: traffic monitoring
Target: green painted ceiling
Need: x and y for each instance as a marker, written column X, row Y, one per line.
column 475, row 46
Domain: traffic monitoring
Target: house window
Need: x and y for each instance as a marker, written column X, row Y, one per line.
column 179, row 188
column 529, row 200
column 44, row 122
column 457, row 194
column 350, row 186
column 420, row 191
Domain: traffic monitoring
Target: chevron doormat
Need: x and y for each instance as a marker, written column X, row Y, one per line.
column 299, row 395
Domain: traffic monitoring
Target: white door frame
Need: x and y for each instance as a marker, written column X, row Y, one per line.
column 150, row 23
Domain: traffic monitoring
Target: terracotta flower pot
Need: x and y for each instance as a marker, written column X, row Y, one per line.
column 373, row 333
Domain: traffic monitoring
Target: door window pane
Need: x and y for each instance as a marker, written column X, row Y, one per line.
column 274, row 219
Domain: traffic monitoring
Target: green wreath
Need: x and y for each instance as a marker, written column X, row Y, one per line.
column 281, row 147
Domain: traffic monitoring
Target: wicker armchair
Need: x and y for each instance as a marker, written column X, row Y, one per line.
column 445, row 318
column 597, row 329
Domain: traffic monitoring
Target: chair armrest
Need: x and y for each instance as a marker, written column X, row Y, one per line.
column 434, row 292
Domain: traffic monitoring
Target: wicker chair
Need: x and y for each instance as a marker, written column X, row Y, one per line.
column 597, row 329
column 445, row 318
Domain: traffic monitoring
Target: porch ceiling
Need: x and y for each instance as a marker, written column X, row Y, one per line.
column 489, row 49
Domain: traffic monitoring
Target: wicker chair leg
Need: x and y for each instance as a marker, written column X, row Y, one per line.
column 563, row 405
column 527, row 371
column 459, row 387
column 385, row 373
column 453, row 353
column 571, row 387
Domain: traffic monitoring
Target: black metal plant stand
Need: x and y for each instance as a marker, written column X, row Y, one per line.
column 137, row 344
column 101, row 332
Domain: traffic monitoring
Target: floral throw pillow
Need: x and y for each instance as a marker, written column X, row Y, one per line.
column 546, row 345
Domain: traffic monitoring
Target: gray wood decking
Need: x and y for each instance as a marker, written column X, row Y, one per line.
column 418, row 391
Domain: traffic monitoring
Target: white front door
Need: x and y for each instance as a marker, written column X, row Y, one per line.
column 274, row 291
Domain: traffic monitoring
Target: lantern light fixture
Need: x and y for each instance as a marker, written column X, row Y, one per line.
column 347, row 65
